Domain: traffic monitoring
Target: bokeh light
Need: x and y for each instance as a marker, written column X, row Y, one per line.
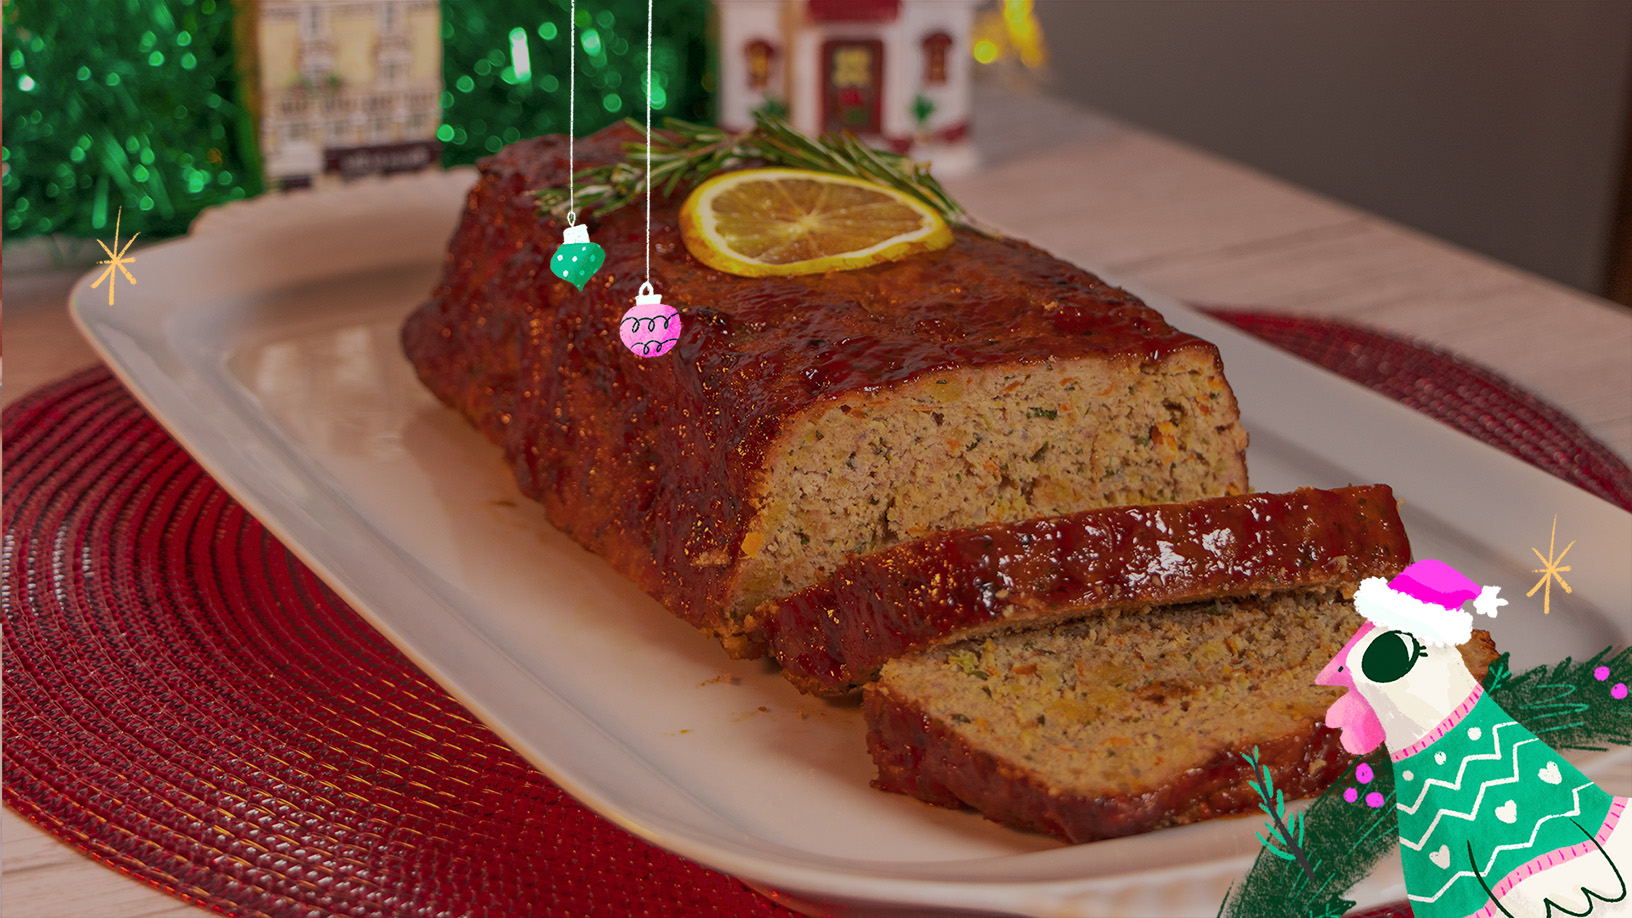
column 496, row 98
column 117, row 110
column 140, row 108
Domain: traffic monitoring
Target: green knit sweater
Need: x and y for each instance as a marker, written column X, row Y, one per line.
column 1484, row 804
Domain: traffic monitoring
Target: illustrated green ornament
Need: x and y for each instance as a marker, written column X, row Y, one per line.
column 577, row 260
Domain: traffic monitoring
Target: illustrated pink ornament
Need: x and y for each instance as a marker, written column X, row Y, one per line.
column 650, row 328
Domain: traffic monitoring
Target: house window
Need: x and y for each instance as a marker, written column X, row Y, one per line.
column 311, row 25
column 761, row 56
column 388, row 17
column 853, row 71
column 852, row 66
column 936, row 46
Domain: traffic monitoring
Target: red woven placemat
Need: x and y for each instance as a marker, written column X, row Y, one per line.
column 189, row 704
column 1468, row 397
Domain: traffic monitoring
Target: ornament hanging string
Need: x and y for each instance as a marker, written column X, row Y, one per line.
column 572, row 111
column 651, row 327
column 647, row 287
column 577, row 260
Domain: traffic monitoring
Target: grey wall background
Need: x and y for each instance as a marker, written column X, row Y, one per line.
column 1496, row 124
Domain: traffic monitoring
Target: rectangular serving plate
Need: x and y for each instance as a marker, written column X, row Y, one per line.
column 267, row 344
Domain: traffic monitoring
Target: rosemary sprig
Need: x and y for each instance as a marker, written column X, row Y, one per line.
column 684, row 153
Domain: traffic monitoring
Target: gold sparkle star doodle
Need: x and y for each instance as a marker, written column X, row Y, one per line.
column 115, row 259
column 1550, row 570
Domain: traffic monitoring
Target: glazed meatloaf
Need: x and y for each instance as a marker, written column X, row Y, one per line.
column 1122, row 724
column 802, row 419
column 833, row 636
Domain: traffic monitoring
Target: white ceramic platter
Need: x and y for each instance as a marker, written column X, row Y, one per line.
column 267, row 344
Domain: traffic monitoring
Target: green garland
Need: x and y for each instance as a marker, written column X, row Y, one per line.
column 504, row 68
column 128, row 106
column 1341, row 841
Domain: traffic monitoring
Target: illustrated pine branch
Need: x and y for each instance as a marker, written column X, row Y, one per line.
column 1287, row 835
column 1332, row 908
column 1341, row 840
column 1565, row 704
column 683, row 154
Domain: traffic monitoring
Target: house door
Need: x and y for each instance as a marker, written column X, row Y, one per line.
column 852, row 78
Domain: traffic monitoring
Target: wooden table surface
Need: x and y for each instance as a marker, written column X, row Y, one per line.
column 1145, row 210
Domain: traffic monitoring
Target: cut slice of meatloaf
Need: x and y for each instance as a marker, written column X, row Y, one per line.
column 833, row 636
column 1122, row 724
column 801, row 419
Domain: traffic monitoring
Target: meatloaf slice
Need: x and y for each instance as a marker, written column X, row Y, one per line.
column 1122, row 724
column 833, row 636
column 801, row 419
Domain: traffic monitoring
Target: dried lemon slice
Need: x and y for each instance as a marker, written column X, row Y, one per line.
column 759, row 222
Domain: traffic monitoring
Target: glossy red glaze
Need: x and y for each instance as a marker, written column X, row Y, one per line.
column 654, row 464
column 834, row 636
column 922, row 756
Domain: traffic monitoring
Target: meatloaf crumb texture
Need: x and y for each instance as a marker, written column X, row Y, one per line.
column 833, row 636
column 1121, row 724
column 803, row 418
column 962, row 448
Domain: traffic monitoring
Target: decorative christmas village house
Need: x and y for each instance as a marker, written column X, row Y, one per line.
column 893, row 72
column 344, row 88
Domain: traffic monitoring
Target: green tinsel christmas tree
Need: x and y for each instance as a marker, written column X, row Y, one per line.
column 114, row 105
column 505, row 68
column 134, row 104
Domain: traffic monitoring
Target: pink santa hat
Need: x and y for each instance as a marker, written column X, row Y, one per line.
column 1426, row 600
